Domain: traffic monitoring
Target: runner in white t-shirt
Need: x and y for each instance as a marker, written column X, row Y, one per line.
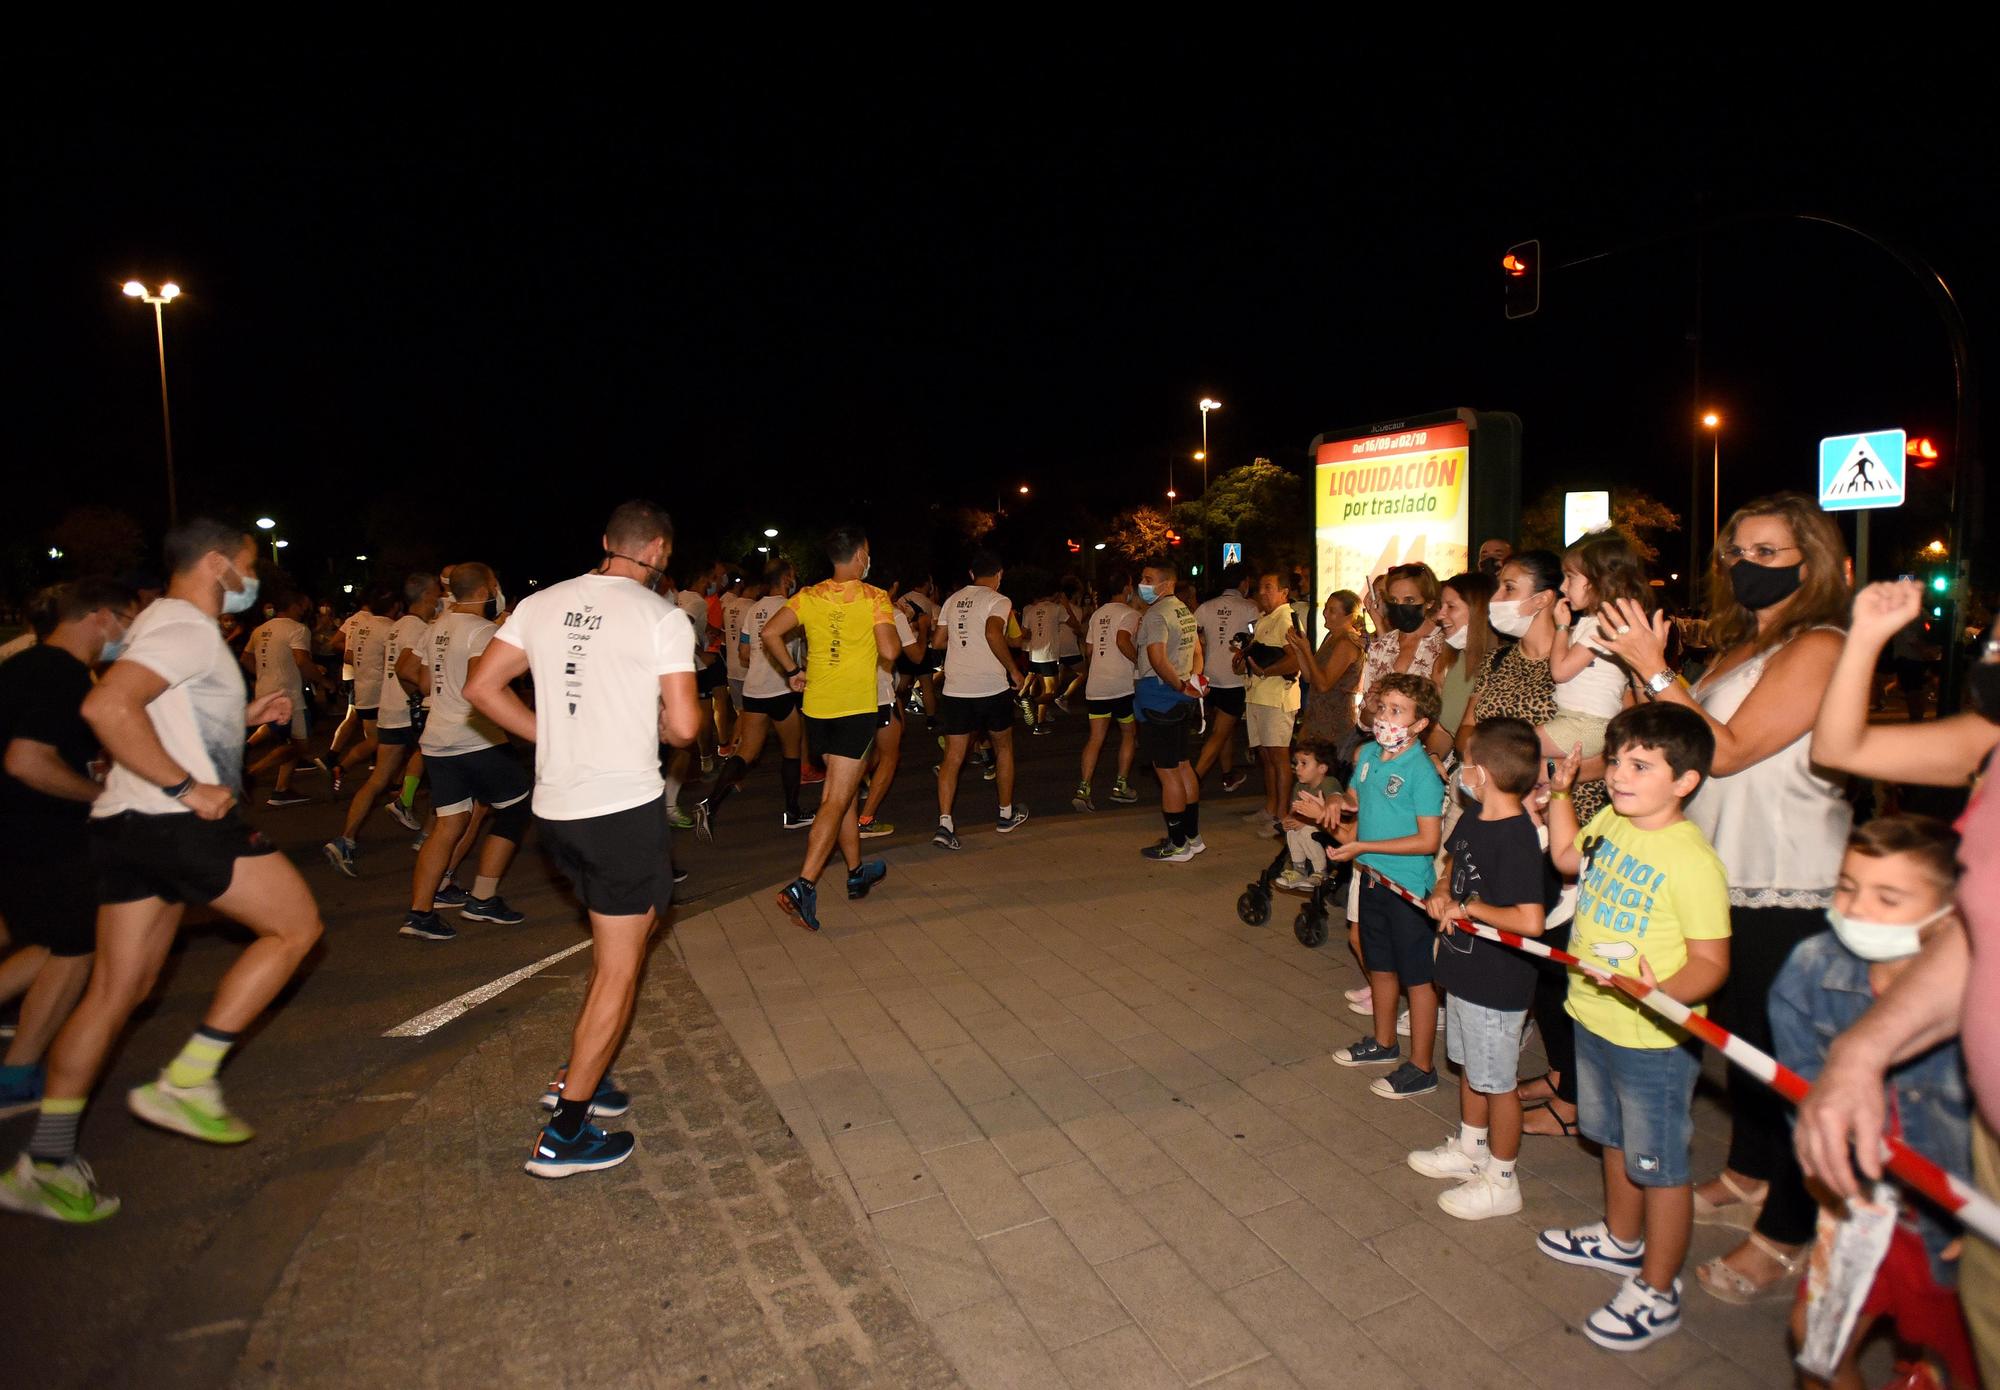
column 1225, row 622
column 280, row 653
column 164, row 835
column 467, row 761
column 1042, row 625
column 920, row 604
column 980, row 684
column 354, row 740
column 682, row 762
column 1111, row 633
column 887, row 752
column 768, row 702
column 395, row 733
column 1069, row 643
column 614, row 671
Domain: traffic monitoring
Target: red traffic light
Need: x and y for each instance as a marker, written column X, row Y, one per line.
column 1074, row 548
column 1173, row 538
column 1923, row 451
column 1513, row 264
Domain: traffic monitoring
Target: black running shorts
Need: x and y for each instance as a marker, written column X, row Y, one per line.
column 405, row 737
column 885, row 715
column 1045, row 668
column 711, row 678
column 491, row 776
column 1163, row 741
column 1225, row 699
column 846, row 736
column 977, row 714
column 621, row 864
column 776, row 708
column 1119, row 707
column 179, row 858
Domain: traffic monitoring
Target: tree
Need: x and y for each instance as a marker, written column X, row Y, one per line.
column 1258, row 504
column 1634, row 512
column 1138, row 535
column 99, row 540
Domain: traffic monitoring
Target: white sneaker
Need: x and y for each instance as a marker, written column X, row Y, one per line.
column 1479, row 1197
column 1365, row 1005
column 1360, row 995
column 1196, row 845
column 1447, row 1160
column 1270, row 829
column 1403, row 1024
column 1637, row 1316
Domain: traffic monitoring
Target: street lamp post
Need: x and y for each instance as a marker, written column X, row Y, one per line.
column 169, row 292
column 1206, row 406
column 1713, row 424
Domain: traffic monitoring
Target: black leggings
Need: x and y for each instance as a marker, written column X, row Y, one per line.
column 1760, row 1138
column 1558, row 1028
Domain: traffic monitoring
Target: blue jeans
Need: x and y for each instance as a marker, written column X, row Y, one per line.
column 1639, row 1100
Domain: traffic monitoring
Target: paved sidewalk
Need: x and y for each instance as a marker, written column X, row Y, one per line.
column 1091, row 1119
column 718, row 1256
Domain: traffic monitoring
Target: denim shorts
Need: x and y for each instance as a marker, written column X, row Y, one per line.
column 1486, row 1042
column 1639, row 1100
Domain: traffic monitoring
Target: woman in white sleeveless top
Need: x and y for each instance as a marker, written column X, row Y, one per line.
column 1778, row 597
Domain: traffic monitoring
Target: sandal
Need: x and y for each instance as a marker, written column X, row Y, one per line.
column 1732, row 1285
column 1568, row 1127
column 1741, row 1213
column 1541, row 1097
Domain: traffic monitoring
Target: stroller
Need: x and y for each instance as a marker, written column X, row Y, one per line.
column 1253, row 905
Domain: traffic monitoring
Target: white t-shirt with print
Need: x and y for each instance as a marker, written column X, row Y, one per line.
column 597, row 646
column 454, row 726
column 1067, row 643
column 761, row 680
column 198, row 718
column 365, row 635
column 271, row 647
column 1111, row 671
column 885, row 677
column 1040, row 623
column 734, row 607
column 1220, row 619
column 405, row 634
column 971, row 670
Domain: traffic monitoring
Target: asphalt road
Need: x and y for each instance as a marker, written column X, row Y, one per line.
column 163, row 1292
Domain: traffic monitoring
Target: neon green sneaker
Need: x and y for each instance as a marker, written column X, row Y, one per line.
column 679, row 819
column 61, row 1192
column 196, row 1111
column 876, row 829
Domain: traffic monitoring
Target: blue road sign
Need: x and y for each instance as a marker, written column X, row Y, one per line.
column 1862, row 470
column 1232, row 553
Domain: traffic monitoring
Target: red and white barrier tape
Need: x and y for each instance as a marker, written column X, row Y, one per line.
column 1972, row 1207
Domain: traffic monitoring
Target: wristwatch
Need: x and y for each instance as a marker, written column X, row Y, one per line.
column 1663, row 678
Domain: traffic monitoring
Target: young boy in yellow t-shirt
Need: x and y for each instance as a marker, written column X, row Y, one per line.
column 1652, row 904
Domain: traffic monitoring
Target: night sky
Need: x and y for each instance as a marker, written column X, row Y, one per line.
column 453, row 307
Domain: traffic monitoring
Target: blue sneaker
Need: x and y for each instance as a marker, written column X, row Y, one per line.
column 1367, row 1053
column 871, row 872
column 20, row 1089
column 801, row 903
column 606, row 1102
column 427, row 925
column 1013, row 822
column 1591, row 1246
column 1638, row 1315
column 590, row 1151
column 493, row 909
column 449, row 894
column 340, row 854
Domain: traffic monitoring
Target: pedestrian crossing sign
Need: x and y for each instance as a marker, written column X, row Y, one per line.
column 1232, row 553
column 1862, row 470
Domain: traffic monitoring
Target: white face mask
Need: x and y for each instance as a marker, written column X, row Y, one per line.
column 1394, row 738
column 1467, row 787
column 1506, row 616
column 1879, row 941
column 1456, row 640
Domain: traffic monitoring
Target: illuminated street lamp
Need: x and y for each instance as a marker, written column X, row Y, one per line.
column 770, row 533
column 1206, row 406
column 1713, row 424
column 169, row 292
column 264, row 523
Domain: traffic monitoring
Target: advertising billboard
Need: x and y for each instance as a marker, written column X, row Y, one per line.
column 1390, row 498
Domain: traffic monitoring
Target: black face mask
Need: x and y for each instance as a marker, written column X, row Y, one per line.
column 1984, row 680
column 1406, row 617
column 1491, row 566
column 1758, row 587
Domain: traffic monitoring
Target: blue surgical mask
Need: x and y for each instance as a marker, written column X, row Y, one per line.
column 1467, row 787
column 113, row 649
column 1148, row 594
column 243, row 599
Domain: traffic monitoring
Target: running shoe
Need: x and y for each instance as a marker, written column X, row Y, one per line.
column 800, row 900
column 1638, row 1315
column 1080, row 799
column 286, row 798
column 1447, row 1160
column 60, row 1192
column 1197, row 845
column 680, row 874
column 989, row 770
column 1405, row 1082
column 1122, row 793
column 1167, row 852
column 945, row 837
column 872, row 829
column 707, row 764
column 196, row 1111
column 1234, row 778
column 871, row 872
column 405, row 817
column 590, row 1151
column 606, row 1102
column 727, row 750
column 336, row 777
column 796, row 820
column 810, row 776
column 321, row 764
column 427, row 925
column 1062, row 703
column 1367, row 1053
column 1039, row 729
column 704, row 822
column 679, row 819
column 1591, row 1246
column 340, row 854
column 493, row 909
column 449, row 894
column 1015, row 821
column 20, row 1095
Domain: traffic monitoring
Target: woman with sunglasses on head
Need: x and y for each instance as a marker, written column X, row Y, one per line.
column 1778, row 603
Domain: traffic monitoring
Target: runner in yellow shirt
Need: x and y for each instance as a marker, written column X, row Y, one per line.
column 850, row 634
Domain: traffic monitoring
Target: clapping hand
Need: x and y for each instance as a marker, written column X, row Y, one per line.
column 1309, row 806
column 1628, row 632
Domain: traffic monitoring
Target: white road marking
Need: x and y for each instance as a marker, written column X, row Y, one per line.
column 209, row 1329
column 386, row 1096
column 433, row 1019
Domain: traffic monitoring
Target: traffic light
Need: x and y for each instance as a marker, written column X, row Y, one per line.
column 1173, row 537
column 1075, row 547
column 1523, row 264
column 1922, row 452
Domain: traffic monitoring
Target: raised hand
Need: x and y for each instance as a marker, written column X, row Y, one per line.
column 1564, row 777
column 1627, row 631
column 1883, row 610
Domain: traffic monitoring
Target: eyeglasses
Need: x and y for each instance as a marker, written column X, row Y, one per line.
column 1762, row 554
